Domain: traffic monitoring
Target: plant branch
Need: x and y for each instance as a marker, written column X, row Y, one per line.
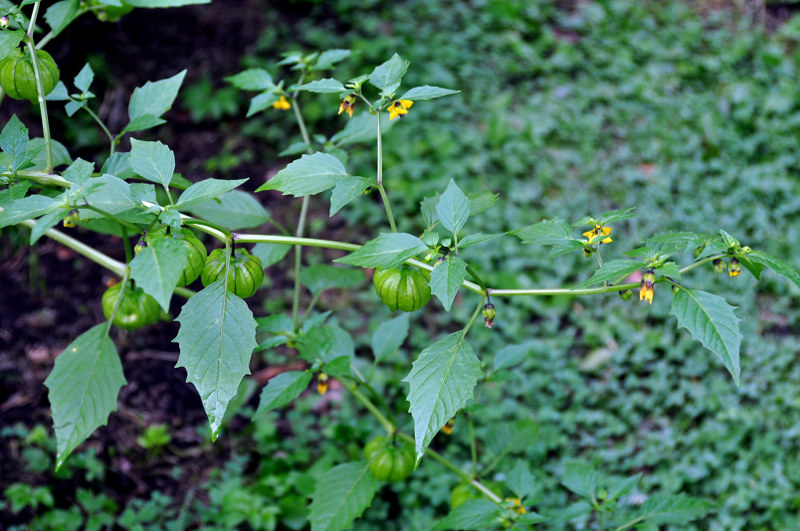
column 97, row 119
column 48, row 152
column 388, row 207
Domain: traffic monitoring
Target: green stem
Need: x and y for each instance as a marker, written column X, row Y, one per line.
column 372, row 408
column 379, row 174
column 388, row 207
column 112, row 217
column 475, row 314
column 103, row 127
column 227, row 234
column 475, row 277
column 703, row 261
column 48, row 152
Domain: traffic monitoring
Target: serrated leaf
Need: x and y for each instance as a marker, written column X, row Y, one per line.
column 47, row 222
column 580, row 478
column 347, row 189
column 153, row 161
column 234, row 210
column 341, row 495
column 508, row 437
column 389, row 336
column 446, row 278
column 216, row 338
column 157, row 268
column 621, row 487
column 251, row 79
column 476, row 239
column 110, row 194
column 28, row 207
column 674, row 242
column 387, row 250
column 613, row 216
column 573, row 511
column 60, row 14
column 270, row 253
column 14, row 137
column 427, row 92
column 320, row 277
column 205, row 190
column 83, row 388
column 779, row 266
column 672, row 509
column 262, row 101
column 472, row 514
column 283, row 389
column 84, row 78
column 511, row 355
column 387, row 76
column 612, row 271
column 9, row 40
column 670, row 269
column 79, row 172
column 547, row 232
column 711, row 321
column 154, row 98
column 441, row 382
column 308, row 175
column 453, row 208
column 321, row 86
column 520, row 480
column 564, row 247
column 326, row 343
column 481, row 201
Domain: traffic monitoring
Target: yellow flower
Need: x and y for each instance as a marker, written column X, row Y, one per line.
column 448, row 427
column 646, row 290
column 516, row 505
column 282, row 104
column 598, row 230
column 734, row 269
column 399, row 108
column 322, row 383
column 347, row 105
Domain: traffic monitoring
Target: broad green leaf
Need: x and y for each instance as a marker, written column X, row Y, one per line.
column 621, row 487
column 206, row 190
column 47, row 222
column 216, row 338
column 155, row 98
column 387, row 77
column 79, row 172
column 673, row 509
column 328, row 58
column 389, row 336
column 326, row 343
column 83, row 388
column 729, row 240
column 428, row 209
column 779, row 266
column 711, row 321
column 441, row 382
column 509, row 437
column 165, row 3
column 297, row 148
column 520, row 480
column 341, row 495
column 141, row 123
column 320, row 277
column 283, row 389
column 476, row 239
column 564, row 247
column 427, row 92
column 446, row 278
column 580, row 478
column 153, row 161
column 59, row 153
column 675, row 242
column 347, row 189
column 511, row 355
column 670, row 269
column 157, row 268
column 110, row 194
column 252, row 79
column 84, row 78
column 453, row 208
column 612, row 271
column 321, row 86
column 14, row 137
column 28, row 207
column 275, row 323
column 574, row 511
column 361, row 128
column 270, row 253
column 617, row 215
column 754, row 268
column 385, row 251
column 532, row 518
column 234, row 210
column 476, row 514
column 9, row 40
column 547, row 232
column 481, row 201
column 60, row 14
column 308, row 175
column 262, row 101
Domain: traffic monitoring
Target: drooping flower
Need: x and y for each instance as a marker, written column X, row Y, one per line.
column 489, row 313
column 399, row 108
column 347, row 105
column 322, row 383
column 448, row 427
column 282, row 104
column 598, row 231
column 734, row 269
column 646, row 290
column 719, row 265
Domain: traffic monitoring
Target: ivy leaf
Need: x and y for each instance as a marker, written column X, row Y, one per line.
column 387, row 77
column 283, row 389
column 153, row 161
column 308, row 175
column 387, row 250
column 711, row 321
column 779, row 266
column 547, row 232
column 234, row 210
column 216, row 338
column 672, row 509
column 389, row 337
column 472, row 514
column 612, row 271
column 83, row 388
column 446, row 278
column 205, row 190
column 453, row 208
column 347, row 189
column 157, row 268
column 341, row 495
column 321, row 86
column 427, row 92
column 441, row 382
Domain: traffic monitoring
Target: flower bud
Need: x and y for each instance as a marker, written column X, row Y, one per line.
column 746, row 249
column 448, row 427
column 3, row 22
column 734, row 269
column 719, row 265
column 488, row 314
column 72, row 219
column 625, row 294
column 139, row 247
column 646, row 290
column 587, row 252
column 675, row 289
column 322, row 383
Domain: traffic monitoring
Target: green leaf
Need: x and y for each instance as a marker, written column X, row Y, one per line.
column 318, row 278
column 508, row 437
column 165, row 3
column 617, row 215
column 511, row 355
column 580, row 478
column 547, row 232
column 84, row 78
column 14, row 137
column 79, row 172
column 612, row 271
column 472, row 514
column 321, row 86
column 216, row 338
column 9, row 40
column 83, row 388
column 532, row 518
column 262, row 101
column 520, row 480
column 47, row 222
column 427, row 92
column 154, row 98
column 283, row 389
column 330, row 57
column 779, row 266
column 475, row 239
column 60, row 14
column 675, row 242
column 389, row 337
column 252, row 79
column 621, row 487
column 729, row 240
column 670, row 269
column 428, row 209
column 711, row 321
column 28, row 207
column 234, row 210
column 157, row 268
column 108, row 193
column 153, row 161
column 673, row 509
column 308, row 175
column 453, row 208
column 59, row 153
column 574, row 511
column 481, row 201
column 360, row 128
column 347, row 189
column 206, row 190
column 141, row 123
column 385, row 251
column 341, row 495
column 387, row 76
column 441, row 382
column 446, row 278
column 326, row 343
column 270, row 253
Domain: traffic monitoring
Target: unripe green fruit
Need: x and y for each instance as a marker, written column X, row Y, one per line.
column 389, row 462
column 197, row 255
column 244, row 276
column 17, row 76
column 404, row 288
column 136, row 309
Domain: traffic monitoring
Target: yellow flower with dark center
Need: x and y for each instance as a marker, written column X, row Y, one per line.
column 516, row 505
column 399, row 108
column 282, row 104
column 598, row 231
column 322, row 383
column 734, row 269
column 347, row 105
column 448, row 427
column 646, row 290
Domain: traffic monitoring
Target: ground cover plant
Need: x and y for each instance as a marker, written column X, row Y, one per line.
column 565, row 385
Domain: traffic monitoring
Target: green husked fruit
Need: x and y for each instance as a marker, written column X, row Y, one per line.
column 17, row 76
column 244, row 276
column 136, row 309
column 389, row 462
column 404, row 288
column 196, row 253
